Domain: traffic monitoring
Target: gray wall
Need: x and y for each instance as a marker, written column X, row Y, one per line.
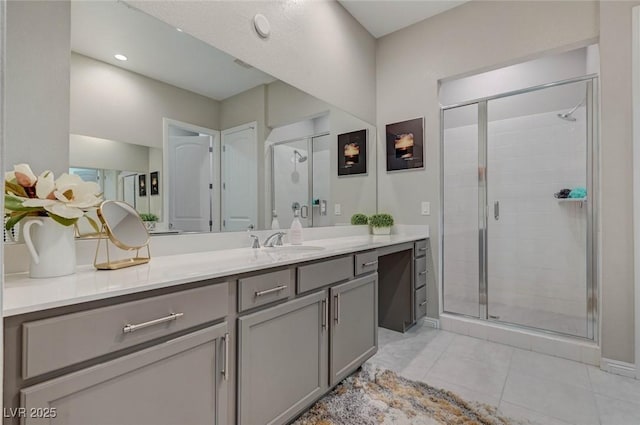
column 616, row 210
column 116, row 104
column 37, row 85
column 316, row 46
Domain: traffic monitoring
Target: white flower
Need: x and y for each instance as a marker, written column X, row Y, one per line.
column 24, row 175
column 71, row 195
column 45, row 185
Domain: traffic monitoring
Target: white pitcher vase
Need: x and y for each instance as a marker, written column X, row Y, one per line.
column 52, row 247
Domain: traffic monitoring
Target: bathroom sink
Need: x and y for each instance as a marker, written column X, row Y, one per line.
column 292, row 249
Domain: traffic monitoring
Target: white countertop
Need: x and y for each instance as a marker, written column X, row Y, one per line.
column 24, row 295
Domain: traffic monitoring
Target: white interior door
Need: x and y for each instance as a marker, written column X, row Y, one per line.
column 190, row 183
column 239, row 178
column 129, row 190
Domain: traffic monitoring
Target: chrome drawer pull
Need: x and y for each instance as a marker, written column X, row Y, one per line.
column 128, row 328
column 370, row 263
column 422, row 249
column 422, row 273
column 422, row 304
column 270, row 291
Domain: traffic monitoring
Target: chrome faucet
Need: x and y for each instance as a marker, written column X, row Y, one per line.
column 274, row 240
column 256, row 241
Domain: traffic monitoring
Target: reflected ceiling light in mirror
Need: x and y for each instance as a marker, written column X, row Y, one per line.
column 179, row 29
column 120, row 57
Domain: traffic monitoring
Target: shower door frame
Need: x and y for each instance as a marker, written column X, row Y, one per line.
column 592, row 289
column 309, row 140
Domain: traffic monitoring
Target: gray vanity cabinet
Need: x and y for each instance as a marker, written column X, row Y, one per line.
column 354, row 330
column 283, row 357
column 181, row 381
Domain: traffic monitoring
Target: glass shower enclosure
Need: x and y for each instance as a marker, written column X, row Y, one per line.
column 515, row 249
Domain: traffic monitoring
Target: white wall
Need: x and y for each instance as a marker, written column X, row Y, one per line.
column 113, row 103
column 316, row 46
column 93, row 152
column 472, row 38
column 37, row 85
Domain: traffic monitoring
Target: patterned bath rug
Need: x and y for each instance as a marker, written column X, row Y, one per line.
column 374, row 396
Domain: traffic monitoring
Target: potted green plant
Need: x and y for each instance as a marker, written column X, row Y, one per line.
column 381, row 223
column 359, row 219
column 150, row 220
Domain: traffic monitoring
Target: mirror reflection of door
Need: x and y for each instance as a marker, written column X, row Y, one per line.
column 191, row 184
column 129, row 189
column 239, row 178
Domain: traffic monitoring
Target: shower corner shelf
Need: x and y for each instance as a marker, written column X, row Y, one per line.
column 571, row 199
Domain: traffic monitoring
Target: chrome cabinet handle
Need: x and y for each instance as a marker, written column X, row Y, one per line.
column 370, row 263
column 496, row 210
column 270, row 291
column 129, row 328
column 422, row 273
column 324, row 314
column 225, row 372
column 422, row 304
column 422, row 249
column 337, row 309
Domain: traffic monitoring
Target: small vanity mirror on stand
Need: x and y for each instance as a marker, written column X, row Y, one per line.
column 123, row 227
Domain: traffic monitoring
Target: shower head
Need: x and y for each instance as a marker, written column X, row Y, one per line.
column 568, row 116
column 299, row 157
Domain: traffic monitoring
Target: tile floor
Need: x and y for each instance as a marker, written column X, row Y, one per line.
column 524, row 385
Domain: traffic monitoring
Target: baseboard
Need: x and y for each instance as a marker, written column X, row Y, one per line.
column 618, row 368
column 431, row 322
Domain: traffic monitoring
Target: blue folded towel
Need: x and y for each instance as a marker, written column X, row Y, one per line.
column 578, row 192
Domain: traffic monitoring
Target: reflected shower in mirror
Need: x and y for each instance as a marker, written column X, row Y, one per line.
column 227, row 144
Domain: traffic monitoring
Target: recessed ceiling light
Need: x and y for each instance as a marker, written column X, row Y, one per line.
column 120, row 57
column 179, row 29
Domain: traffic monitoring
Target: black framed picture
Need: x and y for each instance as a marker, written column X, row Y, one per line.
column 142, row 185
column 155, row 183
column 352, row 153
column 405, row 145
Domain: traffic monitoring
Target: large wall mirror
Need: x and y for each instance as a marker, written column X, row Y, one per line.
column 205, row 142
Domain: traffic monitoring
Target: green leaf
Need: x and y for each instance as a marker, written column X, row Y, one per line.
column 62, row 220
column 14, row 220
column 93, row 223
column 15, row 204
column 15, row 188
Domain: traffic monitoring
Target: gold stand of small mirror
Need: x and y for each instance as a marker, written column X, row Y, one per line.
column 123, row 227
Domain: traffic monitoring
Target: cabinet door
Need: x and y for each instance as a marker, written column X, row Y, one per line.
column 283, row 357
column 354, row 325
column 181, row 381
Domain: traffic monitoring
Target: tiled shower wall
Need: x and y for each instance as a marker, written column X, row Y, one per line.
column 537, row 247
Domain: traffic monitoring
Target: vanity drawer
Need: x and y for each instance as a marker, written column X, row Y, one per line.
column 421, row 248
column 321, row 274
column 421, row 302
column 54, row 343
column 420, row 270
column 366, row 262
column 263, row 289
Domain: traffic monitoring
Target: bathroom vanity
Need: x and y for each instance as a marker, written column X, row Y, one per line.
column 246, row 336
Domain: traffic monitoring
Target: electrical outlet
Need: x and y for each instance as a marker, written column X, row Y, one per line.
column 337, row 209
column 426, row 208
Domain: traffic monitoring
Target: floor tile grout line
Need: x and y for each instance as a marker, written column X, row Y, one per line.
column 504, row 385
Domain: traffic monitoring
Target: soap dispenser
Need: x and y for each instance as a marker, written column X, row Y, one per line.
column 275, row 224
column 295, row 233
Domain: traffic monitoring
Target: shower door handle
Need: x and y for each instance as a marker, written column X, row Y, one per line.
column 496, row 210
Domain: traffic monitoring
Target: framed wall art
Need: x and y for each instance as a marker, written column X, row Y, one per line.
column 352, row 153
column 142, row 185
column 405, row 145
column 155, row 183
